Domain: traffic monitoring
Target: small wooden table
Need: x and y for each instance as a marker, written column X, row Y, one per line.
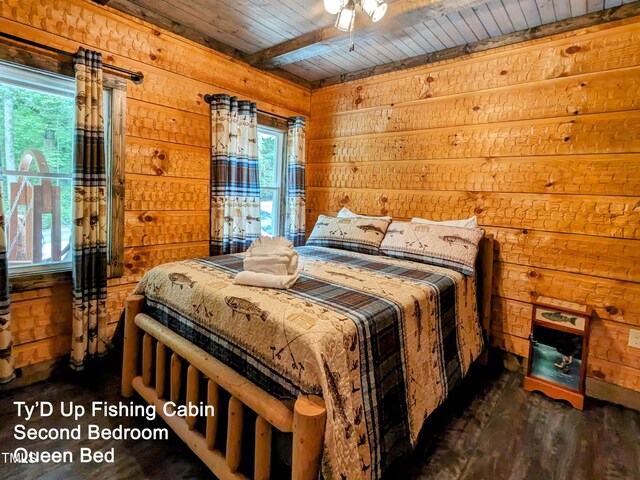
column 558, row 349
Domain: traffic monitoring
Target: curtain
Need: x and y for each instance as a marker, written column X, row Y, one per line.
column 90, row 214
column 6, row 341
column 235, row 175
column 295, row 205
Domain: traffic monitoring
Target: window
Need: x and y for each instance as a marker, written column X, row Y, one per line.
column 36, row 125
column 270, row 158
column 36, row 163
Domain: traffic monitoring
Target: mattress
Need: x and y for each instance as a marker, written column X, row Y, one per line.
column 382, row 340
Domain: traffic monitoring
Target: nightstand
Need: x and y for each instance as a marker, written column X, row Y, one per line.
column 558, row 349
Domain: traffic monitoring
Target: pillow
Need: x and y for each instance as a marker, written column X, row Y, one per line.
column 442, row 245
column 357, row 234
column 346, row 213
column 465, row 223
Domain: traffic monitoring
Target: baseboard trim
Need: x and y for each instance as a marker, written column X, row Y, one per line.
column 609, row 392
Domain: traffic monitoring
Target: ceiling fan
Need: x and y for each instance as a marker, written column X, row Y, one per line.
column 346, row 11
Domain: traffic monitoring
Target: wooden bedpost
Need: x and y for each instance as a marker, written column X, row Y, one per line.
column 130, row 354
column 309, row 415
column 485, row 285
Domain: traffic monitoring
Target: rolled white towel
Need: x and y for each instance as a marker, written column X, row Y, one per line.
column 260, row 251
column 271, row 243
column 254, row 279
column 274, row 256
column 275, row 265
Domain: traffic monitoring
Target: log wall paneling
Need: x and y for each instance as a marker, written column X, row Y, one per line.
column 591, row 93
column 609, row 341
column 116, row 294
column 39, row 316
column 40, row 324
column 607, row 47
column 511, row 316
column 604, row 174
column 167, row 147
column 158, row 122
column 612, row 299
column 510, row 343
column 603, row 132
column 152, row 157
column 160, row 228
column 613, row 373
column 586, row 215
column 137, row 260
column 166, row 193
column 540, row 140
column 610, row 258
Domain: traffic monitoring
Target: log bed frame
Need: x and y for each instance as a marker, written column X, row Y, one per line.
column 147, row 345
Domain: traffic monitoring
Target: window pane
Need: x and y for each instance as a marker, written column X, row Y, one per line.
column 36, row 130
column 268, row 159
column 268, row 212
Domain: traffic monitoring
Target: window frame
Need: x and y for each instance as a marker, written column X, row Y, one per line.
column 273, row 128
column 39, row 276
column 116, row 173
column 59, row 86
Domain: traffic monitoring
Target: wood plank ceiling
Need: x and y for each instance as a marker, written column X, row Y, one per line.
column 296, row 38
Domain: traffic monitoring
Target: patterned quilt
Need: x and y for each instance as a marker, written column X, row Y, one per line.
column 382, row 340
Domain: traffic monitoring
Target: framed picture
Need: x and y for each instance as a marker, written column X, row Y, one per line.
column 559, row 318
column 558, row 348
column 556, row 357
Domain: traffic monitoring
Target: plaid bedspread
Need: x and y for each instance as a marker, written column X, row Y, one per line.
column 382, row 340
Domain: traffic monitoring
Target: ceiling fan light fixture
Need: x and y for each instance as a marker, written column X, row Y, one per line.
column 334, row 6
column 375, row 9
column 369, row 6
column 346, row 17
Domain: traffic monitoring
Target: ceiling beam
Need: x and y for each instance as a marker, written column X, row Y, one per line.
column 401, row 14
column 584, row 21
column 159, row 20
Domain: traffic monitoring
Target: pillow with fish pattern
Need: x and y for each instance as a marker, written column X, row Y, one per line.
column 441, row 245
column 356, row 233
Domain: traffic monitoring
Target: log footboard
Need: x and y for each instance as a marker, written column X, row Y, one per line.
column 149, row 347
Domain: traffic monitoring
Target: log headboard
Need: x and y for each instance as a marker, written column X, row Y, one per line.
column 484, row 267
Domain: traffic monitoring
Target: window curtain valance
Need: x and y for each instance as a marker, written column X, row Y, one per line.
column 296, row 163
column 235, row 175
column 89, row 214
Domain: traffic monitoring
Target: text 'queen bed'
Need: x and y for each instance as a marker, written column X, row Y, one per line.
column 351, row 360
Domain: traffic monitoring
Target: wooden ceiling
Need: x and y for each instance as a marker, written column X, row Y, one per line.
column 296, row 38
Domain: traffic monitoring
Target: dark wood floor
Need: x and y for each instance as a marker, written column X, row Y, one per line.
column 491, row 429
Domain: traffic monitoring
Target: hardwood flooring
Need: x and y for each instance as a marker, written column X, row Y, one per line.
column 490, row 429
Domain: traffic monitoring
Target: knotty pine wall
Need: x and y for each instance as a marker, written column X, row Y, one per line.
column 540, row 140
column 167, row 161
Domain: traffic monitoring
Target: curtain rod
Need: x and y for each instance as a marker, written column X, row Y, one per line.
column 136, row 77
column 208, row 98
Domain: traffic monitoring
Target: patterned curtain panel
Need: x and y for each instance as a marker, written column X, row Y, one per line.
column 6, row 341
column 295, row 217
column 90, row 214
column 235, row 175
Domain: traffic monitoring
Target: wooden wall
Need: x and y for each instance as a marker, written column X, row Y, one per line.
column 540, row 140
column 167, row 162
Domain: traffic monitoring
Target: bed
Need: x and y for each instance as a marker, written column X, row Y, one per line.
column 350, row 361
